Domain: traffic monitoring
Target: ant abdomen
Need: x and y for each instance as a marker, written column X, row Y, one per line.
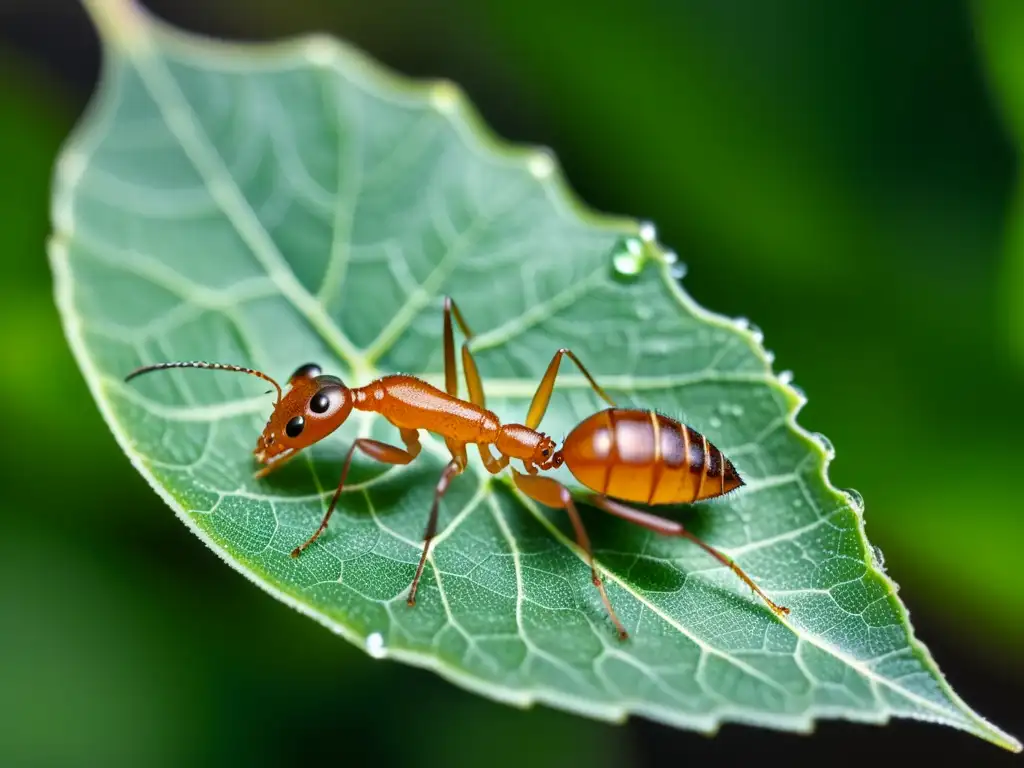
column 644, row 457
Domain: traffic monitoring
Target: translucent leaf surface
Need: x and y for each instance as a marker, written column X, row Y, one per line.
column 277, row 204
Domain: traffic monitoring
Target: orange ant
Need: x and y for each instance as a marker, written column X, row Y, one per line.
column 634, row 455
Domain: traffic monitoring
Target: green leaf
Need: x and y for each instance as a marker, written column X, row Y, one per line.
column 269, row 205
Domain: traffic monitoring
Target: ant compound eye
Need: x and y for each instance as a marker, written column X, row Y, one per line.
column 307, row 371
column 320, row 402
column 294, row 427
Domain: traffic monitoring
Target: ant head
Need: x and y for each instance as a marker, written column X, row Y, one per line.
column 314, row 406
column 544, row 454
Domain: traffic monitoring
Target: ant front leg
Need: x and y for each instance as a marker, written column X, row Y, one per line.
column 668, row 527
column 274, row 464
column 491, row 464
column 552, row 493
column 453, row 468
column 382, row 452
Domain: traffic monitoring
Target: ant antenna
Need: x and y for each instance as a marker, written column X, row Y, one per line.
column 207, row 366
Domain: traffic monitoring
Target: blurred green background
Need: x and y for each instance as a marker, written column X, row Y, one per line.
column 843, row 174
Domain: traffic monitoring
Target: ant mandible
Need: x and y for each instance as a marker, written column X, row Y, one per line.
column 632, row 455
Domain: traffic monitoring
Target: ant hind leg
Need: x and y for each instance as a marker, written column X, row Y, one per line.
column 541, row 398
column 552, row 493
column 667, row 527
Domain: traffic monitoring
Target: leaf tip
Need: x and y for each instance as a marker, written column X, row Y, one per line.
column 997, row 736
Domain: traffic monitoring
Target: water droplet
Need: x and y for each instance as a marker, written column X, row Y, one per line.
column 769, row 356
column 756, row 333
column 677, row 271
column 715, row 422
column 855, row 499
column 647, row 232
column 321, row 51
column 797, row 503
column 742, row 323
column 671, row 257
column 629, row 258
column 728, row 409
column 644, row 312
column 825, row 443
column 375, row 645
column 444, row 96
column 878, row 558
column 541, row 165
column 786, row 377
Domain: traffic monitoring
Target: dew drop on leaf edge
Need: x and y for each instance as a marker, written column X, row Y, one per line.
column 855, row 499
column 756, row 332
column 375, row 645
column 825, row 443
column 878, row 558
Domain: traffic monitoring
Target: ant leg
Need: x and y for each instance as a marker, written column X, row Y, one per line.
column 493, row 465
column 473, row 383
column 552, row 493
column 454, row 467
column 387, row 454
column 476, row 389
column 270, row 466
column 668, row 527
column 540, row 401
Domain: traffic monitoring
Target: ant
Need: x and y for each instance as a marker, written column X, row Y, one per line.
column 632, row 455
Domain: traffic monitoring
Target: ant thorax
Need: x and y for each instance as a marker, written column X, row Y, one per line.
column 528, row 445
